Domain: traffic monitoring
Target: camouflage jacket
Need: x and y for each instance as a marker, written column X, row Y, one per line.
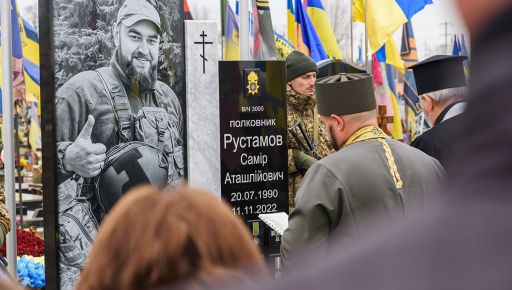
column 302, row 108
column 4, row 215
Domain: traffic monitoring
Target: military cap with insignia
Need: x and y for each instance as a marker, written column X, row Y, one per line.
column 345, row 94
column 439, row 72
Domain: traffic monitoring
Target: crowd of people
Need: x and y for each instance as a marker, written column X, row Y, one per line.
column 368, row 212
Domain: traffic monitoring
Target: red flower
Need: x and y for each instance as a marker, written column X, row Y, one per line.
column 27, row 244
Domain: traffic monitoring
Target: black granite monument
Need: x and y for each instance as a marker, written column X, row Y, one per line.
column 253, row 142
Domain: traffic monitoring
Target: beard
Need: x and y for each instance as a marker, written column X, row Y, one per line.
column 142, row 79
column 333, row 142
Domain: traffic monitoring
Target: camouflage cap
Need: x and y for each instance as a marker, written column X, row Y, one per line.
column 133, row 11
column 345, row 94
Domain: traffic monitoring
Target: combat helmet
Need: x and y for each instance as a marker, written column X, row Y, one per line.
column 127, row 165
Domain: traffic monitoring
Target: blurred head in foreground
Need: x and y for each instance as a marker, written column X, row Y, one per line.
column 8, row 284
column 151, row 239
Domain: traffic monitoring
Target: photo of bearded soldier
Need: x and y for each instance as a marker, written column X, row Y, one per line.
column 116, row 127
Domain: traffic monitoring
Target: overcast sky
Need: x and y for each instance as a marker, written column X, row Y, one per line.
column 427, row 24
column 428, row 28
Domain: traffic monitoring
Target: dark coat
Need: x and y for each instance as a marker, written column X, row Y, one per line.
column 345, row 190
column 438, row 141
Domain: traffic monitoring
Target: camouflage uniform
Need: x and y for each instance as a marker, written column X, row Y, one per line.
column 303, row 108
column 5, row 221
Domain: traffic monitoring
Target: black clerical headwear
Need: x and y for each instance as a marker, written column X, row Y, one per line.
column 439, row 72
column 345, row 94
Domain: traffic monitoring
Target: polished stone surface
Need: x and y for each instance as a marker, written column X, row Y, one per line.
column 203, row 140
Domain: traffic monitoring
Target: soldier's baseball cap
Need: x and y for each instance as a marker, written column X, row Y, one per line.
column 133, row 11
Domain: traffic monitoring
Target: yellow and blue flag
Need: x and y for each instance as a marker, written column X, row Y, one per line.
column 396, row 129
column 232, row 42
column 26, row 78
column 17, row 54
column 389, row 54
column 292, row 28
column 29, row 42
column 30, row 48
column 323, row 26
column 411, row 7
column 464, row 52
column 302, row 33
column 384, row 17
column 464, row 49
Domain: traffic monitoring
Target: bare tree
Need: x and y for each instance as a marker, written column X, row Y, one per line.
column 338, row 12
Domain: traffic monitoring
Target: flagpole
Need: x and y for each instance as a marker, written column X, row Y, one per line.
column 352, row 30
column 8, row 158
column 368, row 65
column 245, row 53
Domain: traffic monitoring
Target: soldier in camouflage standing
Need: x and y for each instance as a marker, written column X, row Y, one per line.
column 306, row 139
column 5, row 221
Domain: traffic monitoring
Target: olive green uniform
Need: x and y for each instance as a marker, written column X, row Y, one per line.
column 302, row 108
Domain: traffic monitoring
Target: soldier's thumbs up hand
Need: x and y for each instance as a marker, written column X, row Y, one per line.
column 84, row 157
column 87, row 129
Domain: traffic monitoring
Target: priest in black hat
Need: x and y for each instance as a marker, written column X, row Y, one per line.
column 371, row 176
column 441, row 85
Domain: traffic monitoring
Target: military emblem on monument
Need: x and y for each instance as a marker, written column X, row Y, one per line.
column 253, row 83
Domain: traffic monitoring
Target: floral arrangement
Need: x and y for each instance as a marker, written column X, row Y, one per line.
column 27, row 243
column 31, row 272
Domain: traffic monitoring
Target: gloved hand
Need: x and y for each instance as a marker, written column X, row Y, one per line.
column 303, row 161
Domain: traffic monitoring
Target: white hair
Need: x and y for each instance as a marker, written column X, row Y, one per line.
column 455, row 94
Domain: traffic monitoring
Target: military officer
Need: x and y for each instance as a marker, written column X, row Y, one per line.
column 441, row 85
column 370, row 175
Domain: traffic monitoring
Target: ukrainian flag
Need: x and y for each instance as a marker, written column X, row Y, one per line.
column 232, row 44
column 30, row 47
column 323, row 26
column 292, row 25
column 464, row 52
column 26, row 82
column 397, row 129
column 17, row 52
column 389, row 54
column 302, row 33
column 384, row 17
